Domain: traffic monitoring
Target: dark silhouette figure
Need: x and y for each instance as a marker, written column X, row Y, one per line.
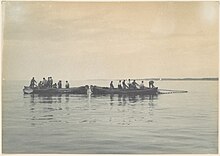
column 44, row 83
column 59, row 84
column 124, row 85
column 151, row 84
column 134, row 85
column 54, row 85
column 111, row 85
column 33, row 83
column 129, row 84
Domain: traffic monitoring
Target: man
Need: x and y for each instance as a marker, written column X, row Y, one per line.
column 51, row 82
column 67, row 84
column 44, row 82
column 151, row 84
column 124, row 85
column 111, row 85
column 129, row 84
column 119, row 85
column 54, row 85
column 59, row 84
column 48, row 82
column 40, row 84
column 142, row 85
column 33, row 82
column 134, row 85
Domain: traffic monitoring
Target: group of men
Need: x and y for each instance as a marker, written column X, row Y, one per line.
column 131, row 85
column 47, row 83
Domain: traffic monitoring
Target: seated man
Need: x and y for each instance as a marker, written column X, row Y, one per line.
column 40, row 84
column 44, row 83
column 54, row 85
column 124, row 85
column 142, row 85
column 134, row 85
column 119, row 85
column 67, row 84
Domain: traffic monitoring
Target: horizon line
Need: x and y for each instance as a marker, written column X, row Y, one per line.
column 149, row 78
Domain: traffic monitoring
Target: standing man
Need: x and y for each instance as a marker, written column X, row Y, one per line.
column 48, row 82
column 51, row 82
column 129, row 84
column 33, row 82
column 59, row 84
column 111, row 85
column 151, row 84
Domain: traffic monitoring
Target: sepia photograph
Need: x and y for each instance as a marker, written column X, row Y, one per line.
column 110, row 77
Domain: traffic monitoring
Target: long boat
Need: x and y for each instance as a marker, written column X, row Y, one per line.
column 107, row 90
column 94, row 90
column 73, row 90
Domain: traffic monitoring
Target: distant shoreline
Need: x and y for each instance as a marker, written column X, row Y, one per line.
column 161, row 79
column 145, row 79
column 183, row 79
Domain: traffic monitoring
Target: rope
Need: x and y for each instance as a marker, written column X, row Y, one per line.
column 168, row 91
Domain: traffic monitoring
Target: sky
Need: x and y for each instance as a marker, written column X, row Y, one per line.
column 111, row 40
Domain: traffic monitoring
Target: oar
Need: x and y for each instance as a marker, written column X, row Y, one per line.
column 138, row 84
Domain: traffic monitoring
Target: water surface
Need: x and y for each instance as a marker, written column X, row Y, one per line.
column 183, row 123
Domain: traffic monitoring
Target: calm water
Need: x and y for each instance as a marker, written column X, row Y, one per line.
column 169, row 123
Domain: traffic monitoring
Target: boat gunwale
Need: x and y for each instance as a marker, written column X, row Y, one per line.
column 106, row 90
column 72, row 90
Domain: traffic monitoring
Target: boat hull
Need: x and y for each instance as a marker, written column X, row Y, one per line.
column 106, row 90
column 74, row 90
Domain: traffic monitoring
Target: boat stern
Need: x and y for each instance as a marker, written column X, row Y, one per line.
column 27, row 90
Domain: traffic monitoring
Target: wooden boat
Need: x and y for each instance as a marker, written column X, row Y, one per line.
column 73, row 90
column 107, row 90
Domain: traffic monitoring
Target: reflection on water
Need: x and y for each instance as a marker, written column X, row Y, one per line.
column 133, row 108
column 37, row 98
column 119, row 109
column 65, row 98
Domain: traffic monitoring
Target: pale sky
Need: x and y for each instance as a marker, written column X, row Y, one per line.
column 78, row 41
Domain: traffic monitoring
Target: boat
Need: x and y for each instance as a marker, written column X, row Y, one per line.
column 72, row 90
column 95, row 90
column 106, row 90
